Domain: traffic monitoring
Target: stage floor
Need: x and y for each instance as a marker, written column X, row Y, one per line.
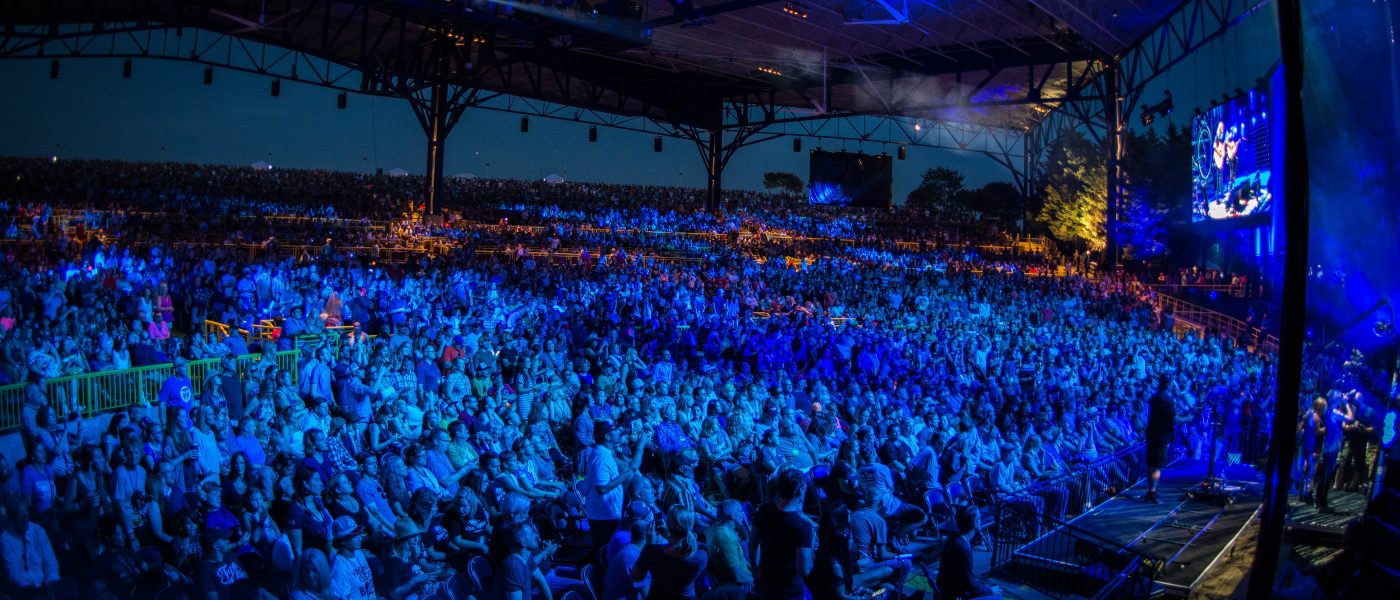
column 1188, row 536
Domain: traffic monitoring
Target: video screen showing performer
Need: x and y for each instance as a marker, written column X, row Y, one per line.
column 1230, row 167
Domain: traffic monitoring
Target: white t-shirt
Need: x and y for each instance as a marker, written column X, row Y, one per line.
column 351, row 578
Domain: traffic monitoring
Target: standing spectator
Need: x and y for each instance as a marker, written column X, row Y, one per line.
column 602, row 479
column 785, row 540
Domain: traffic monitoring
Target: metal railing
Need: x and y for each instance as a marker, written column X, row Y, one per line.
column 1235, row 290
column 1033, row 541
column 104, row 391
column 1194, row 319
column 1069, row 562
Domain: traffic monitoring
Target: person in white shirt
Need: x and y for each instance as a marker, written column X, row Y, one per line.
column 351, row 578
column 602, row 482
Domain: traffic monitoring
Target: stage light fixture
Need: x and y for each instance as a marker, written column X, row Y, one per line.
column 796, row 144
column 795, row 10
column 276, row 88
column 524, row 124
column 342, row 100
column 126, row 69
column 208, row 75
column 1388, row 429
column 592, row 134
column 656, row 144
column 770, row 71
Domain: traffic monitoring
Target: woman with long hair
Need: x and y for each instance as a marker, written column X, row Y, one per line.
column 308, row 523
column 674, row 565
column 312, row 577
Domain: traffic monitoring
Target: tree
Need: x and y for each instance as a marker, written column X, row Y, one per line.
column 998, row 200
column 1156, row 191
column 939, row 187
column 1076, row 191
column 786, row 182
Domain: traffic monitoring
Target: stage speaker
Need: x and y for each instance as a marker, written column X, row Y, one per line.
column 126, row 69
column 341, row 101
column 796, row 144
column 53, row 69
column 208, row 75
column 900, row 154
column 592, row 134
column 656, row 144
column 524, row 124
column 276, row 88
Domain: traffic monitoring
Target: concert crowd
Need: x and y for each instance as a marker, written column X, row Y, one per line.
column 727, row 416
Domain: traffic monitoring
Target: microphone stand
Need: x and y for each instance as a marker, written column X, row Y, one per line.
column 1213, row 488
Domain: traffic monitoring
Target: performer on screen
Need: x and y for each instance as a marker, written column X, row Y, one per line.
column 1226, row 160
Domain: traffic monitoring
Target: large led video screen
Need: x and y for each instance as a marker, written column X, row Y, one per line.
column 850, row 179
column 1231, row 169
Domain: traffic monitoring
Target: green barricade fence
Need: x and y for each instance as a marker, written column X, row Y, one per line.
column 113, row 390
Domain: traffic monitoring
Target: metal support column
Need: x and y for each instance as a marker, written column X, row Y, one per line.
column 436, row 126
column 714, row 169
column 1113, row 147
column 1283, row 442
column 1031, row 162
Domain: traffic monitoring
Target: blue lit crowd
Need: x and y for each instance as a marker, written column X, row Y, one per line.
column 599, row 411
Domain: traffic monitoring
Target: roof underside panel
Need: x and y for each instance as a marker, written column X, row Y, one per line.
column 993, row 62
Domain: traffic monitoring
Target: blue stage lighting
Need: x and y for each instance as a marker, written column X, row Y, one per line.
column 1388, row 429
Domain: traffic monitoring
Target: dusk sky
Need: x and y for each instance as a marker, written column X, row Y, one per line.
column 90, row 111
column 165, row 112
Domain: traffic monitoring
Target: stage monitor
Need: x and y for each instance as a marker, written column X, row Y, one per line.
column 1231, row 174
column 850, row 179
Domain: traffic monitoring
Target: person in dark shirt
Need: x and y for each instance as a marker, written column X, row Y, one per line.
column 515, row 570
column 955, row 578
column 1161, row 427
column 673, row 566
column 784, row 540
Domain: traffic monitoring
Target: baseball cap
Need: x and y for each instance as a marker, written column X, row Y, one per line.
column 345, row 526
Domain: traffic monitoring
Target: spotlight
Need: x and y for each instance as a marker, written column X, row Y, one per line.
column 1161, row 109
column 524, row 124
column 208, row 75
column 1384, row 329
column 341, row 101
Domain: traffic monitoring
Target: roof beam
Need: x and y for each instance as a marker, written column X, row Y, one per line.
column 708, row 11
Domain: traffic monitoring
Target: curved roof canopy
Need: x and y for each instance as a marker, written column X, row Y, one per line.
column 1002, row 63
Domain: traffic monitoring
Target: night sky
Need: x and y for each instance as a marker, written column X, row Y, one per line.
column 165, row 112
